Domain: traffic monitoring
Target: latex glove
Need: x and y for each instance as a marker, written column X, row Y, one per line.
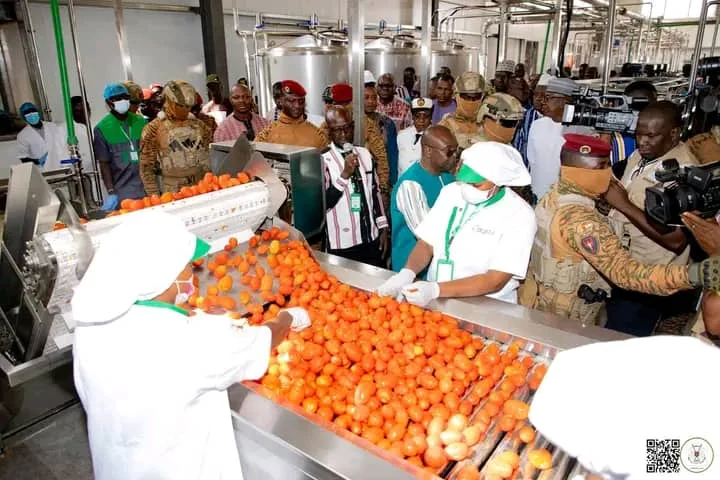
column 300, row 319
column 111, row 202
column 705, row 274
column 393, row 285
column 421, row 293
column 43, row 159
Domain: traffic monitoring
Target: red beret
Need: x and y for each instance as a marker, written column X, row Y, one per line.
column 341, row 93
column 291, row 87
column 586, row 145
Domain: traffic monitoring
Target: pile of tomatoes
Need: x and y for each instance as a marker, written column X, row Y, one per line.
column 407, row 380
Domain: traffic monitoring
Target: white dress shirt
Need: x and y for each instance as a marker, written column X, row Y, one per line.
column 545, row 142
column 409, row 148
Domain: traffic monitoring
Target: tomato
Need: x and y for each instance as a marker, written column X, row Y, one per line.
column 540, row 459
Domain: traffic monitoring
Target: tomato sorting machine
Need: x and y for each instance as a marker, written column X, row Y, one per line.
column 277, row 441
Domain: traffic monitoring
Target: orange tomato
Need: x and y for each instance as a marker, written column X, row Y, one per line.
column 225, row 283
column 540, row 459
column 526, row 434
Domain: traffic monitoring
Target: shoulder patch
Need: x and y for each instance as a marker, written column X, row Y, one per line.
column 585, row 228
column 590, row 244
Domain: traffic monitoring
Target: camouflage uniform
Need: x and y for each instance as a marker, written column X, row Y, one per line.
column 706, row 146
column 179, row 149
column 289, row 131
column 135, row 91
column 463, row 124
column 575, row 246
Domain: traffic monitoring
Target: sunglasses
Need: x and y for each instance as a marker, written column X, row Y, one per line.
column 505, row 123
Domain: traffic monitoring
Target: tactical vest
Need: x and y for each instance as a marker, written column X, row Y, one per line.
column 556, row 281
column 183, row 156
column 466, row 132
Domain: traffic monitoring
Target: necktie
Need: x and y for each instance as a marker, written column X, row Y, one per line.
column 418, row 136
column 250, row 132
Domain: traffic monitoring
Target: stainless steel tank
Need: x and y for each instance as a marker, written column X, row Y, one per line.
column 313, row 61
column 385, row 55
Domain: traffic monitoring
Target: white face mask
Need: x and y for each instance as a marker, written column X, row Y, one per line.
column 182, row 297
column 121, row 106
column 474, row 196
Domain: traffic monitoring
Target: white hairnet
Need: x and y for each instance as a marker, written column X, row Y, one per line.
column 497, row 162
column 137, row 260
column 602, row 402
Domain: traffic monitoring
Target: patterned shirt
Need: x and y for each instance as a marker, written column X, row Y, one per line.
column 398, row 110
column 622, row 147
column 232, row 128
column 520, row 141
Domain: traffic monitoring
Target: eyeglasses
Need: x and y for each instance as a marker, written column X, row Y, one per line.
column 342, row 128
column 448, row 151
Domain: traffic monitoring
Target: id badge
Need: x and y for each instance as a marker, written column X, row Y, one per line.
column 355, row 202
column 134, row 158
column 445, row 270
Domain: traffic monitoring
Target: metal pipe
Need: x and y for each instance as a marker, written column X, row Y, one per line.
column 30, row 31
column 715, row 32
column 557, row 27
column 122, row 40
column 607, row 54
column 547, row 36
column 502, row 31
column 62, row 67
column 426, row 44
column 83, row 95
column 356, row 42
column 698, row 43
column 485, row 36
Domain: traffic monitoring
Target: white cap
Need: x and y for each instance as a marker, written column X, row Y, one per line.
column 138, row 260
column 602, row 402
column 494, row 161
column 544, row 79
column 369, row 77
column 422, row 104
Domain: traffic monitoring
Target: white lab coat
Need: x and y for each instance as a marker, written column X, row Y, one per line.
column 498, row 237
column 409, row 151
column 31, row 144
column 153, row 383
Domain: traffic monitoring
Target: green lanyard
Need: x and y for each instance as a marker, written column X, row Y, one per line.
column 157, row 304
column 451, row 233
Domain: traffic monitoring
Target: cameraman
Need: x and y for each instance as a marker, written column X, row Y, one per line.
column 707, row 234
column 658, row 139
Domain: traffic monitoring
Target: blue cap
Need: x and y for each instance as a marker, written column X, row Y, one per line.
column 27, row 107
column 113, row 90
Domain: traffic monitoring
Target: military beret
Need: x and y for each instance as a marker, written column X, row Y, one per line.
column 338, row 93
column 291, row 87
column 586, row 145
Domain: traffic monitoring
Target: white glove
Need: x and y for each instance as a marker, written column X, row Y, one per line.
column 393, row 285
column 421, row 293
column 300, row 318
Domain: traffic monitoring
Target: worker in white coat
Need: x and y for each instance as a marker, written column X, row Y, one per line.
column 628, row 407
column 477, row 237
column 151, row 377
column 40, row 142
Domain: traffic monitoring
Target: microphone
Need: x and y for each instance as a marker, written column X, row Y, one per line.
column 347, row 149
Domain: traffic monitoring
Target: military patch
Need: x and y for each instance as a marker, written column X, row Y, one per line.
column 421, row 102
column 585, row 149
column 585, row 228
column 286, row 90
column 590, row 244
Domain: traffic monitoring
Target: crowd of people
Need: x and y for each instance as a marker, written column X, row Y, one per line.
column 476, row 188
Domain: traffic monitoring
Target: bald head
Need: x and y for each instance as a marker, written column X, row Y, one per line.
column 439, row 150
column 340, row 125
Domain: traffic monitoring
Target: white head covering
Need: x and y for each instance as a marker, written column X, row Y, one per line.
column 138, row 260
column 497, row 162
column 544, row 79
column 601, row 402
column 421, row 104
column 369, row 77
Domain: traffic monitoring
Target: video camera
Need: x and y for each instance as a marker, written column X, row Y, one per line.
column 683, row 189
column 604, row 113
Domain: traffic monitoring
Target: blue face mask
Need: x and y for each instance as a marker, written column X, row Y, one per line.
column 121, row 106
column 33, row 118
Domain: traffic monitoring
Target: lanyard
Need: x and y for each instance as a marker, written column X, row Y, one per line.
column 132, row 145
column 156, row 304
column 451, row 233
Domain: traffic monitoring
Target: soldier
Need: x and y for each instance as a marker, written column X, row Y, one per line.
column 576, row 250
column 292, row 128
column 177, row 143
column 136, row 96
column 498, row 118
column 706, row 146
column 470, row 88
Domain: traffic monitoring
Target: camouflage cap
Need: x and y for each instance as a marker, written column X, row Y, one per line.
column 470, row 82
column 135, row 91
column 180, row 92
column 501, row 106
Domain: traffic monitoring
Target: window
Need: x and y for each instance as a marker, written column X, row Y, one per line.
column 676, row 9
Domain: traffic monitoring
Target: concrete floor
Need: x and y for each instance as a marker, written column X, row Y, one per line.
column 56, row 449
